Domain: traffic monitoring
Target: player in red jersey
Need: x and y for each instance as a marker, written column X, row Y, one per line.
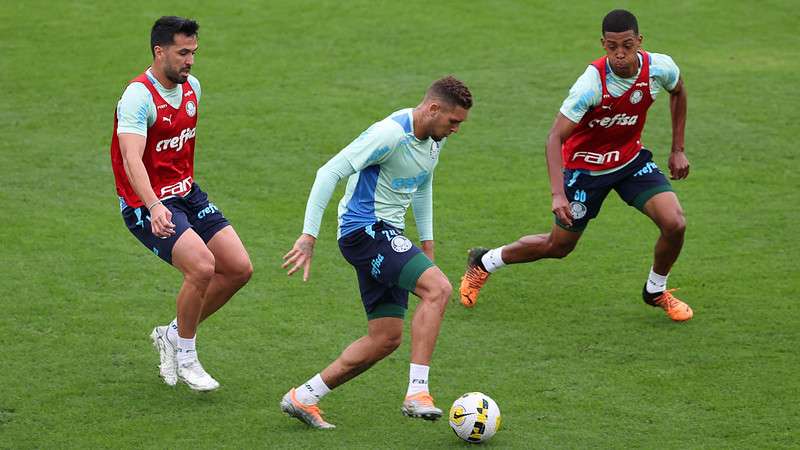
column 593, row 147
column 152, row 155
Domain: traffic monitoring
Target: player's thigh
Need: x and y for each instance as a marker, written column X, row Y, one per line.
column 665, row 210
column 191, row 256
column 138, row 222
column 206, row 218
column 641, row 182
column 432, row 284
column 585, row 194
column 230, row 256
column 564, row 240
column 386, row 328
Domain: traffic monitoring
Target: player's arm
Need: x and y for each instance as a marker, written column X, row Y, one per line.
column 562, row 128
column 135, row 111
column 327, row 178
column 365, row 151
column 132, row 149
column 422, row 204
column 678, row 163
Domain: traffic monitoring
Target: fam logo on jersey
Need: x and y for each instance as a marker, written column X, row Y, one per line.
column 435, row 148
column 578, row 210
column 636, row 96
column 191, row 109
column 401, row 244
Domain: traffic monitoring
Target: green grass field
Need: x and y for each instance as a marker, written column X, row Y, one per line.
column 566, row 348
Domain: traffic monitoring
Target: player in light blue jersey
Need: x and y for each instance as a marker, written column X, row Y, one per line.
column 389, row 168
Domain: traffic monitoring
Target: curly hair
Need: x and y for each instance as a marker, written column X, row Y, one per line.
column 452, row 91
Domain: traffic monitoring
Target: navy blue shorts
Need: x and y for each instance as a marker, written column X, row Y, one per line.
column 193, row 211
column 388, row 266
column 636, row 183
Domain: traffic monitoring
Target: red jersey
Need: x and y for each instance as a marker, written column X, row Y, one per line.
column 609, row 135
column 169, row 150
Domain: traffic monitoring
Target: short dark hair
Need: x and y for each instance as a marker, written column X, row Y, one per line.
column 452, row 91
column 165, row 29
column 619, row 21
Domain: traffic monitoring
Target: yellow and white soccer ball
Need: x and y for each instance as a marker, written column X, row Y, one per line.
column 475, row 417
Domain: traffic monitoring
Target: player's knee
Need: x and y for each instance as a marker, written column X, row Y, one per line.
column 675, row 226
column 201, row 271
column 560, row 250
column 440, row 293
column 388, row 342
column 243, row 272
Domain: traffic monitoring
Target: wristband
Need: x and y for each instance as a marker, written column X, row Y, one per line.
column 157, row 202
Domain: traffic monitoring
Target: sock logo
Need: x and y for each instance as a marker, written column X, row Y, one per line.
column 418, row 381
column 311, row 390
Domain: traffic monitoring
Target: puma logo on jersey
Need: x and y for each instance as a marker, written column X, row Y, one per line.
column 176, row 142
column 167, row 119
column 617, row 119
column 188, row 93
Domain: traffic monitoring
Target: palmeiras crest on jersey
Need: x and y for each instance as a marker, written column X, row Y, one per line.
column 636, row 96
column 191, row 109
column 435, row 147
column 401, row 244
column 578, row 210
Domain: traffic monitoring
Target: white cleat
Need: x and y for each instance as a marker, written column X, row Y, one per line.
column 193, row 374
column 168, row 367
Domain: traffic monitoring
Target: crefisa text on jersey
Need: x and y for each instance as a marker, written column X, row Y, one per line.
column 177, row 141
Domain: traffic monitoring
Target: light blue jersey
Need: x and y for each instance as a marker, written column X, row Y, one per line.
column 136, row 110
column 389, row 169
column 587, row 92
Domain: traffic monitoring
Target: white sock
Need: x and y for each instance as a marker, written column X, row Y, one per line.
column 417, row 379
column 172, row 332
column 656, row 283
column 492, row 259
column 312, row 391
column 186, row 350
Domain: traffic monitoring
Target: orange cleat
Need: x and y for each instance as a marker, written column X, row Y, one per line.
column 675, row 309
column 474, row 278
column 420, row 405
column 311, row 415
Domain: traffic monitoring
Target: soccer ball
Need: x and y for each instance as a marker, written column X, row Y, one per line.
column 475, row 417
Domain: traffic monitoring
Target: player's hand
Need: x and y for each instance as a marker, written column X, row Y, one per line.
column 161, row 221
column 561, row 209
column 678, row 165
column 300, row 255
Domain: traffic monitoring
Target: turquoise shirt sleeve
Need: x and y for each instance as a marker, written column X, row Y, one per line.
column 372, row 147
column 422, row 203
column 585, row 94
column 664, row 70
column 135, row 110
column 328, row 176
column 195, row 84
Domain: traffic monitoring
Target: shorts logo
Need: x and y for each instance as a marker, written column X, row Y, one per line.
column 401, row 244
column 636, row 97
column 191, row 110
column 376, row 266
column 578, row 210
